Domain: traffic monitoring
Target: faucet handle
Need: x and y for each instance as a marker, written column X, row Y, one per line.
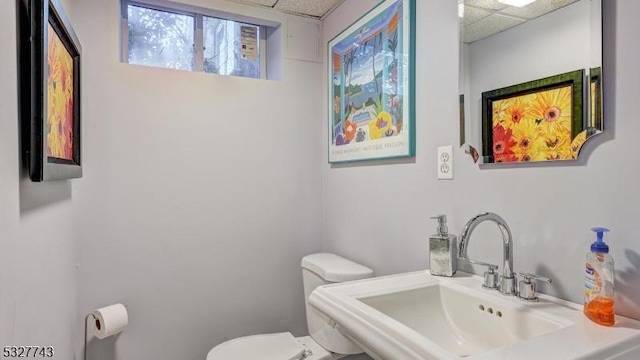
column 527, row 288
column 490, row 276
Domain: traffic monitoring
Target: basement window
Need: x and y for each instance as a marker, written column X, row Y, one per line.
column 175, row 36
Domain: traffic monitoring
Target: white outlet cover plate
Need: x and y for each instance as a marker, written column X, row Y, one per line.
column 445, row 162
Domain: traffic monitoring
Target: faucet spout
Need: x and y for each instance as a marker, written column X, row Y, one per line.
column 508, row 279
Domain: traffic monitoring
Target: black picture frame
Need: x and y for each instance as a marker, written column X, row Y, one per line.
column 36, row 19
column 575, row 79
column 595, row 90
column 463, row 134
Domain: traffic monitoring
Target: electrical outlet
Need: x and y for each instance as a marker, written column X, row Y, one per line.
column 445, row 162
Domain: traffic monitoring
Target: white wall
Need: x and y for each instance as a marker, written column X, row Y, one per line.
column 38, row 242
column 201, row 194
column 378, row 213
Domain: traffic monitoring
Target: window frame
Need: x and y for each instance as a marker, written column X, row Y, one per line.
column 198, row 14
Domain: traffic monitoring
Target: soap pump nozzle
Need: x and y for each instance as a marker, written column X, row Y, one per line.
column 599, row 245
column 442, row 224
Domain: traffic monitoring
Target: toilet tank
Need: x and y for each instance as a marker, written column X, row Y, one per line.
column 322, row 269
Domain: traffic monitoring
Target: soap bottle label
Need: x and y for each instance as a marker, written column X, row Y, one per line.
column 592, row 283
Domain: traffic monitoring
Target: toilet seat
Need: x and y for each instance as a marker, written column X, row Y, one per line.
column 280, row 346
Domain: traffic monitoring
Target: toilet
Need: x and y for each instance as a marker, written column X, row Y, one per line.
column 324, row 342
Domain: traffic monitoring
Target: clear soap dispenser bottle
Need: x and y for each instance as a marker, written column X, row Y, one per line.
column 598, row 284
column 443, row 257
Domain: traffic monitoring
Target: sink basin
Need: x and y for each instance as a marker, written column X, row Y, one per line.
column 462, row 322
column 419, row 316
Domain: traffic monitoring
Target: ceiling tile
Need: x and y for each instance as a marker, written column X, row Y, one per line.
column 486, row 4
column 537, row 8
column 315, row 8
column 488, row 26
column 478, row 22
column 473, row 14
column 268, row 3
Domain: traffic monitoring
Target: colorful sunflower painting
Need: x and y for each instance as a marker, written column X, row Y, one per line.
column 533, row 127
column 59, row 99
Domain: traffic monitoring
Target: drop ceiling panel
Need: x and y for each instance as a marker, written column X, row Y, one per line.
column 488, row 26
column 267, row 3
column 476, row 24
column 537, row 8
column 314, row 8
column 311, row 8
column 486, row 4
column 474, row 14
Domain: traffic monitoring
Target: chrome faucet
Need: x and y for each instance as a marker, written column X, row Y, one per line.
column 507, row 281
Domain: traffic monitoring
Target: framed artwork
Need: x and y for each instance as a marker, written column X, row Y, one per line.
column 463, row 135
column 540, row 120
column 371, row 85
column 595, row 91
column 53, row 77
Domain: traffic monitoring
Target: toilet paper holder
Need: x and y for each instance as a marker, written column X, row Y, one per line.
column 98, row 325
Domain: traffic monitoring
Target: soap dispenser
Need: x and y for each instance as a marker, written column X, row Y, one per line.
column 598, row 285
column 443, row 250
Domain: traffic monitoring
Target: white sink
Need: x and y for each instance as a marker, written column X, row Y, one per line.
column 418, row 316
column 461, row 321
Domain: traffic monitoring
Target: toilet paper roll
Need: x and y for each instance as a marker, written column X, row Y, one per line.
column 110, row 320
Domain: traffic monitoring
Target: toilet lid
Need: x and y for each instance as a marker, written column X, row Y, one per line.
column 281, row 346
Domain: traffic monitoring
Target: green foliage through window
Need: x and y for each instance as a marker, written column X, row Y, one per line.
column 160, row 38
column 169, row 39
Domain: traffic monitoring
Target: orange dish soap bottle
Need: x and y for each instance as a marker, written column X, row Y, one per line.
column 598, row 282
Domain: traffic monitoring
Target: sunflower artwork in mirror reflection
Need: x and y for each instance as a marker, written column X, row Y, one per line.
column 536, row 121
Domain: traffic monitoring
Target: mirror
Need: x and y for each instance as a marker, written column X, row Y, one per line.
column 530, row 78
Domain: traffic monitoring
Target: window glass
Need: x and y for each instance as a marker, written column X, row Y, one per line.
column 160, row 38
column 231, row 48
